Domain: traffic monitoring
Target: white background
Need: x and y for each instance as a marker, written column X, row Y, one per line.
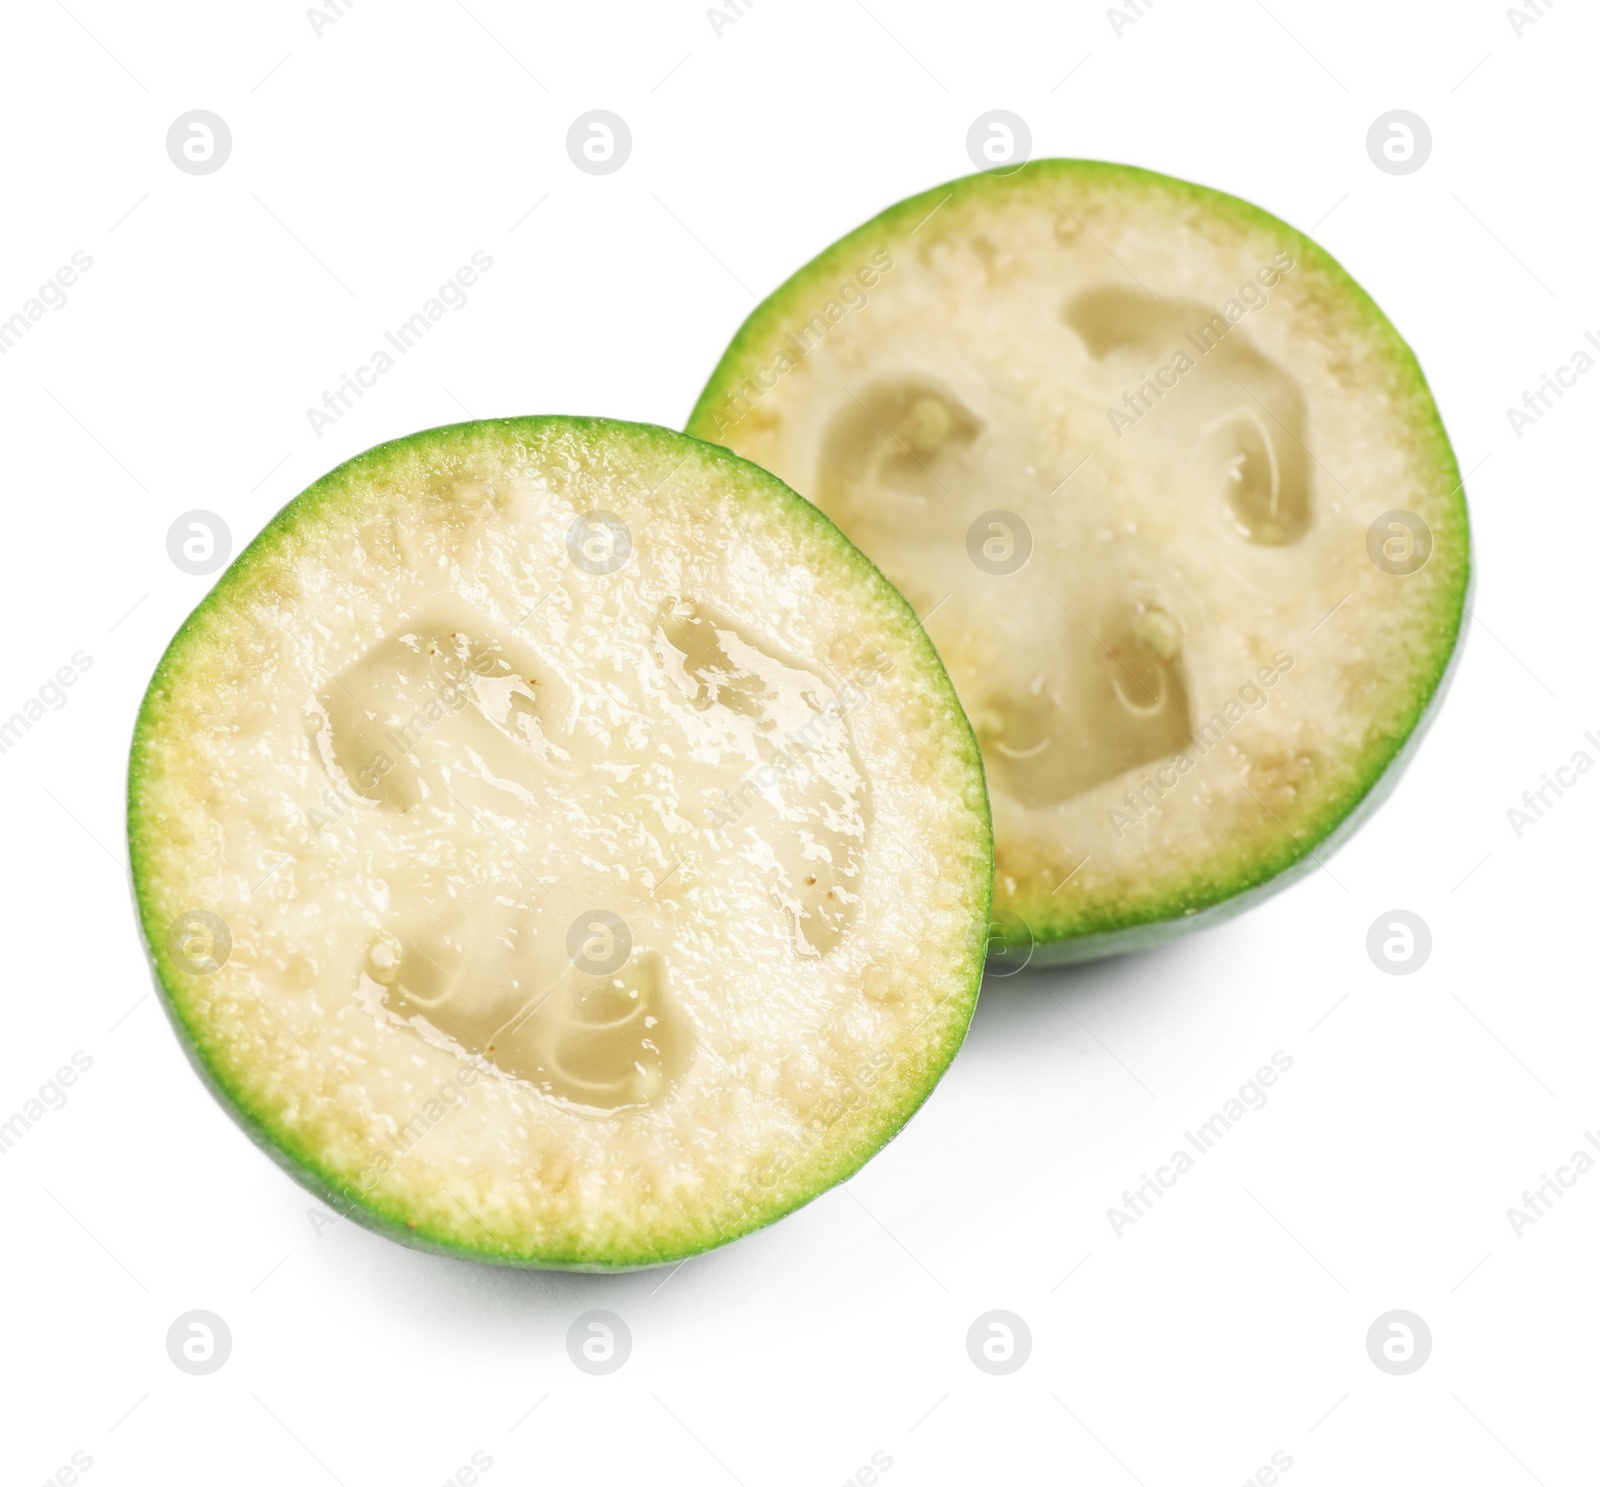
column 367, row 165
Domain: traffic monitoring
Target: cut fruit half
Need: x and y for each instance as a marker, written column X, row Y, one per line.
column 559, row 846
column 1173, row 500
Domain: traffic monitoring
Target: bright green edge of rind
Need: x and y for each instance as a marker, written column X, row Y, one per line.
column 1059, row 935
column 303, row 1164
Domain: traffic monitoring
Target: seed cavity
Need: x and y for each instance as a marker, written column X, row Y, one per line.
column 1264, row 495
column 799, row 810
column 1117, row 698
column 438, row 699
column 746, row 768
column 903, row 438
column 485, row 984
column 1192, row 381
column 1110, row 319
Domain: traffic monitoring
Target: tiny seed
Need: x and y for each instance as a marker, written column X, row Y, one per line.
column 1157, row 631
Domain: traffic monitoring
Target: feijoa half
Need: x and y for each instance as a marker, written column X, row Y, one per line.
column 557, row 845
column 1171, row 496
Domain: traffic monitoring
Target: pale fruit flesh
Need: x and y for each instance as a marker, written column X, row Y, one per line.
column 1123, row 443
column 582, row 913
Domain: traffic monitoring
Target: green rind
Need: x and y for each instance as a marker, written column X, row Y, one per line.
column 1151, row 935
column 303, row 1164
column 1059, row 936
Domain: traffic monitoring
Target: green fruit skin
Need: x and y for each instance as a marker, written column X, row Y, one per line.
column 1151, row 936
column 1054, row 937
column 303, row 1166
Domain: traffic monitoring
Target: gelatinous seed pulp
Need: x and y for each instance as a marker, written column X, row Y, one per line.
column 449, row 714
